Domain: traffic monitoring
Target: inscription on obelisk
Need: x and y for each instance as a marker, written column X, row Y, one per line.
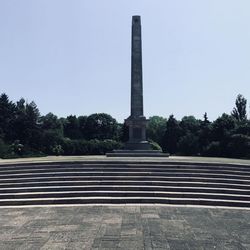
column 136, row 121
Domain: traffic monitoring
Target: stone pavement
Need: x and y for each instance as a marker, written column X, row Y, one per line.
column 124, row 227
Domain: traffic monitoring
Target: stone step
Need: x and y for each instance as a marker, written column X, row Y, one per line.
column 120, row 183
column 126, row 178
column 111, row 188
column 64, row 182
column 125, row 173
column 123, row 165
column 125, row 193
column 123, row 200
column 10, row 172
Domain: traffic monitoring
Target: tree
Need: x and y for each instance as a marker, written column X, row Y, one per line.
column 189, row 144
column 101, row 126
column 222, row 127
column 71, row 128
column 243, row 128
column 189, row 141
column 50, row 122
column 50, row 140
column 239, row 112
column 7, row 116
column 172, row 135
column 123, row 132
column 82, row 120
column 204, row 134
column 26, row 124
column 238, row 146
column 3, row 148
column 190, row 124
column 156, row 128
column 221, row 132
column 205, row 121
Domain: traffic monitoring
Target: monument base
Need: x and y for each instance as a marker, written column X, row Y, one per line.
column 142, row 145
column 137, row 153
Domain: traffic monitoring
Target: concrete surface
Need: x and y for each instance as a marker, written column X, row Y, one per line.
column 142, row 159
column 124, row 227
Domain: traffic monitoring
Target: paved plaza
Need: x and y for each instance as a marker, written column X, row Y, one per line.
column 124, row 227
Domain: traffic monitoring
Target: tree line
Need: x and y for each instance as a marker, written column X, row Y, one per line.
column 25, row 132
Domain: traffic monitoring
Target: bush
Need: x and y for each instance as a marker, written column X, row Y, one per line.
column 49, row 140
column 91, row 147
column 101, row 147
column 57, row 150
column 17, row 148
column 155, row 145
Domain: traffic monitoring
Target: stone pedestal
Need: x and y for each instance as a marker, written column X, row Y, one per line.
column 137, row 133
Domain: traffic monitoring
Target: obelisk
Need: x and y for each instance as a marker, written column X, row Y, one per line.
column 137, row 144
column 136, row 121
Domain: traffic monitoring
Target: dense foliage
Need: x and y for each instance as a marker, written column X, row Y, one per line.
column 24, row 132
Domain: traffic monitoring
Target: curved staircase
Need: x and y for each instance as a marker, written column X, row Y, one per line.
column 117, row 182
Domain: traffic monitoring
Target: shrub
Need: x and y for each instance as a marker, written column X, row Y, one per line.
column 155, row 145
column 57, row 150
column 91, row 147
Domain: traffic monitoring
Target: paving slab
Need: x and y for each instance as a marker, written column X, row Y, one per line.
column 124, row 227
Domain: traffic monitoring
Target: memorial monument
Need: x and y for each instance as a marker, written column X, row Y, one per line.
column 136, row 121
column 137, row 144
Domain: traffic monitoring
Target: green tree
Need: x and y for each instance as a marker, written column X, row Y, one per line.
column 189, row 124
column 82, row 120
column 156, row 128
column 238, row 146
column 50, row 122
column 188, row 144
column 49, row 140
column 71, row 128
column 222, row 127
column 3, row 148
column 7, row 116
column 26, row 124
column 172, row 135
column 204, row 134
column 239, row 112
column 123, row 131
column 101, row 126
column 243, row 128
column 189, row 141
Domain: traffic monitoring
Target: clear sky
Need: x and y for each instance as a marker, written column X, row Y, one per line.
column 73, row 57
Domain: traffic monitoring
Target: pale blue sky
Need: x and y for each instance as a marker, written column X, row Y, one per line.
column 73, row 57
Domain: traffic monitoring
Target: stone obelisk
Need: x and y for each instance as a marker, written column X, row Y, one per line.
column 136, row 121
column 137, row 144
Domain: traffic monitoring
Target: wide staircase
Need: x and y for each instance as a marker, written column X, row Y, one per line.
column 117, row 182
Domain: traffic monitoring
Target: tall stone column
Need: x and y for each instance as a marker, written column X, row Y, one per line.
column 136, row 69
column 136, row 121
column 137, row 145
